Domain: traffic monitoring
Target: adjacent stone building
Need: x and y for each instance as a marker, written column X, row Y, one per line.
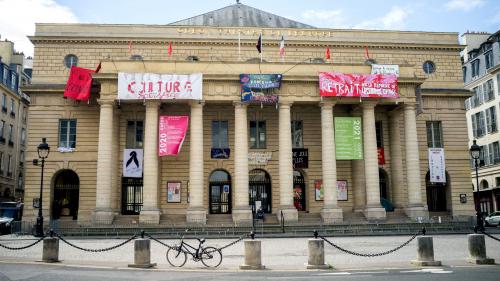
column 13, row 123
column 481, row 72
column 84, row 168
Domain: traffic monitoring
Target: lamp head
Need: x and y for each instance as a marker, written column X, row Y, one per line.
column 475, row 151
column 43, row 149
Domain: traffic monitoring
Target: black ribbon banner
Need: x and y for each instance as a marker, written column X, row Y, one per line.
column 300, row 158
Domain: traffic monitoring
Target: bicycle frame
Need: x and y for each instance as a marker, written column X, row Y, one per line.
column 184, row 246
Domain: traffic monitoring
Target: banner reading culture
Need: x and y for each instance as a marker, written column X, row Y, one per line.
column 132, row 86
column 334, row 84
column 252, row 86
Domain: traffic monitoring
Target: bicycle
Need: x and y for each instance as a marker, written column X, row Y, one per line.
column 209, row 256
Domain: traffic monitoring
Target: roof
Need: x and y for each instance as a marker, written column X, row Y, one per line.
column 240, row 15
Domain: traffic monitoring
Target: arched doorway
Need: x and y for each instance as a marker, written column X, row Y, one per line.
column 436, row 194
column 299, row 191
column 260, row 190
column 220, row 192
column 66, row 194
column 383, row 184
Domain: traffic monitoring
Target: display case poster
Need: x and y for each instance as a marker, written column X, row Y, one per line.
column 255, row 87
column 348, row 138
column 335, row 84
column 342, row 190
column 318, row 190
column 436, row 165
column 173, row 192
column 172, row 133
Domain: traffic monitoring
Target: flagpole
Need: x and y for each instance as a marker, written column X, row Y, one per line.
column 261, row 49
column 239, row 45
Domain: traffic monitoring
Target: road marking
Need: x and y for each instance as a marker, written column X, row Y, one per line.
column 428, row 270
column 335, row 273
column 371, row 272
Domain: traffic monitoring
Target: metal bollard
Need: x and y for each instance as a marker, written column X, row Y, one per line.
column 316, row 254
column 253, row 255
column 50, row 250
column 142, row 254
column 425, row 252
column 477, row 250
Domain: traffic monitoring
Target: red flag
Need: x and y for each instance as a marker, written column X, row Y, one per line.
column 367, row 55
column 130, row 48
column 259, row 44
column 98, row 68
column 170, row 49
column 327, row 53
column 79, row 83
column 282, row 47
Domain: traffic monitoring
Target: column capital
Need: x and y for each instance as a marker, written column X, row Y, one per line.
column 327, row 103
column 152, row 103
column 285, row 103
column 368, row 104
column 197, row 103
column 240, row 103
column 103, row 102
column 395, row 112
column 409, row 106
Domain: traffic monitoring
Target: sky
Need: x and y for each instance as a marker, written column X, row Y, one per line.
column 18, row 17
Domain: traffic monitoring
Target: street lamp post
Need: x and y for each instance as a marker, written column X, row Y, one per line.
column 475, row 153
column 43, row 150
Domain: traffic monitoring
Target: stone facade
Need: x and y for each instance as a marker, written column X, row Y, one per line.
column 102, row 123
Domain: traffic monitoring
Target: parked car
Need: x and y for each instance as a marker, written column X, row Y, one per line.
column 9, row 212
column 493, row 219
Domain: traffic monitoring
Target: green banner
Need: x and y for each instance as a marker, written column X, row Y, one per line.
column 348, row 138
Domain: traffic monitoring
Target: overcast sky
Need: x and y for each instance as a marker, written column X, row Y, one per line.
column 17, row 17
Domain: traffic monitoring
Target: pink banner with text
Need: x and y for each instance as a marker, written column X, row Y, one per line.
column 172, row 133
column 335, row 84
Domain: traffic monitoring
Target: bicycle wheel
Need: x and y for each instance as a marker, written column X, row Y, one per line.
column 211, row 257
column 176, row 257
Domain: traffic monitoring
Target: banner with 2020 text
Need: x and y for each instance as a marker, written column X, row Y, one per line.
column 172, row 132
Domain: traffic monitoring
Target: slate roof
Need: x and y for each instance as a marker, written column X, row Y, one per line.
column 240, row 15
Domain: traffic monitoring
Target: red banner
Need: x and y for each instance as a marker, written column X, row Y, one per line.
column 172, row 133
column 381, row 156
column 79, row 84
column 334, row 84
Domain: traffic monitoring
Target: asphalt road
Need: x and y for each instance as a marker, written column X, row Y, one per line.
column 45, row 272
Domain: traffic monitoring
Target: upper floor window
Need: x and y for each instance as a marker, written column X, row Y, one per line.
column 434, row 134
column 12, row 107
column 488, row 59
column 257, row 134
column 220, row 134
column 297, row 134
column 488, row 90
column 464, row 73
column 11, row 134
column 13, row 80
column 135, row 134
column 1, row 163
column 70, row 61
column 429, row 67
column 475, row 68
column 5, row 75
column 23, row 136
column 496, row 152
column 498, row 83
column 478, row 97
column 2, row 126
column 9, row 166
column 491, row 119
column 4, row 103
column 379, row 134
column 67, row 133
column 25, row 113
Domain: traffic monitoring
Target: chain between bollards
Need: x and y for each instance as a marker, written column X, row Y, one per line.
column 423, row 230
column 315, row 233
column 252, row 235
column 142, row 233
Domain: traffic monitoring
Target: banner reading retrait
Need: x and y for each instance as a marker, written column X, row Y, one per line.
column 132, row 86
column 334, row 84
column 172, row 132
column 348, row 138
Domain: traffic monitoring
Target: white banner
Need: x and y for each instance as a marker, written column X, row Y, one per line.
column 133, row 86
column 385, row 69
column 259, row 158
column 437, row 167
column 132, row 163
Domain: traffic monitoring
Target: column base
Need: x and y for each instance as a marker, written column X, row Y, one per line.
column 290, row 214
column 481, row 261
column 416, row 212
column 332, row 215
column 426, row 263
column 103, row 216
column 149, row 217
column 196, row 216
column 242, row 216
column 375, row 213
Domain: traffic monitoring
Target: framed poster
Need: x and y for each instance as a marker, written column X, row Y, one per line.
column 342, row 190
column 318, row 190
column 173, row 192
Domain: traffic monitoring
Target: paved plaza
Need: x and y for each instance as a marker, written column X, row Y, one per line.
column 277, row 253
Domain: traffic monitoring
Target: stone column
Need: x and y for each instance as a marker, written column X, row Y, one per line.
column 373, row 208
column 286, row 164
column 331, row 212
column 115, row 158
column 103, row 212
column 397, row 171
column 196, row 213
column 358, row 180
column 242, row 213
column 415, row 206
column 150, row 212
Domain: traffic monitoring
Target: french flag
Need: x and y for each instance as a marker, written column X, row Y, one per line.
column 282, row 46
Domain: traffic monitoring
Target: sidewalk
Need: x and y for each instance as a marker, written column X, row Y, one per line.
column 277, row 253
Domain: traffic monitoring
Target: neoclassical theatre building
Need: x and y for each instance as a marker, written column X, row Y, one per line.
column 263, row 131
